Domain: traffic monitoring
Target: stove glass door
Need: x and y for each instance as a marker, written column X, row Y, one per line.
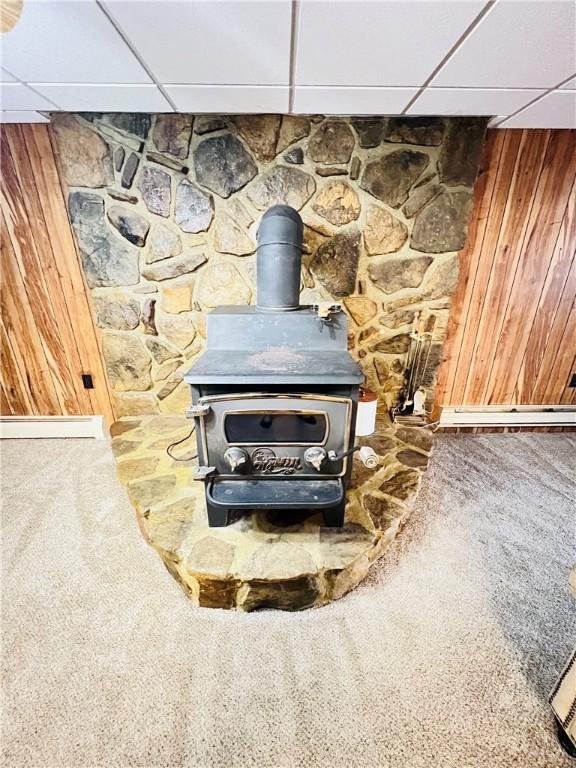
column 275, row 428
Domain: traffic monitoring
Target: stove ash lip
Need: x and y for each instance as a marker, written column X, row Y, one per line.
column 279, row 260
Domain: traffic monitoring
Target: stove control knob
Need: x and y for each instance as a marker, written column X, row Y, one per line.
column 315, row 457
column 236, row 458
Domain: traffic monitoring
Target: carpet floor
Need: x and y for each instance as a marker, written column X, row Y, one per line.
column 443, row 659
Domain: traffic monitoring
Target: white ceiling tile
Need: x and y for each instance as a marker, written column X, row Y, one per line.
column 556, row 110
column 194, row 42
column 471, row 101
column 69, row 41
column 6, row 76
column 22, row 117
column 351, row 101
column 105, row 98
column 391, row 43
column 229, row 99
column 15, row 96
column 518, row 44
column 570, row 85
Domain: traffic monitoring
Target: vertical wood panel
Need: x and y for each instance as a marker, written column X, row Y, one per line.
column 24, row 232
column 469, row 258
column 564, row 362
column 15, row 394
column 511, row 337
column 485, row 251
column 536, row 257
column 23, row 333
column 48, row 336
column 508, row 245
column 559, row 284
column 556, row 339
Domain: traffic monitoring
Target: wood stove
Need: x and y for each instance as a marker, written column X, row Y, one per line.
column 274, row 395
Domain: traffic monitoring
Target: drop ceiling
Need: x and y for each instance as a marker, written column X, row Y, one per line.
column 513, row 59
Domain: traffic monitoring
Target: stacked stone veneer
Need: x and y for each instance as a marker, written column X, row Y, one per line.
column 165, row 210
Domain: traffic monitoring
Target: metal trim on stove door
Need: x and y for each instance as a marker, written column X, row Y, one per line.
column 343, row 437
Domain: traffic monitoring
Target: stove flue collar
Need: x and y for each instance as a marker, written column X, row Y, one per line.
column 278, row 259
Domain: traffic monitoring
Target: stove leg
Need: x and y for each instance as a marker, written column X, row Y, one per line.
column 217, row 516
column 334, row 516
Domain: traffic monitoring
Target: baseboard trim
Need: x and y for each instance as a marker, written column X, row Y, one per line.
column 29, row 427
column 508, row 416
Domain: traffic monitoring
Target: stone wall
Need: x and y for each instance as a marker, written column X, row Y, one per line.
column 165, row 210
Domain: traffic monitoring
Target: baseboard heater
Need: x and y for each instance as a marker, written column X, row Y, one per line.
column 14, row 427
column 508, row 416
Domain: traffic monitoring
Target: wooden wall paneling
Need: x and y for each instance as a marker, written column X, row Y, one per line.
column 557, row 294
column 564, row 363
column 570, row 395
column 5, row 406
column 486, row 253
column 469, row 259
column 556, row 339
column 507, row 236
column 15, row 394
column 45, row 307
column 550, row 202
column 33, row 251
column 23, row 334
column 20, row 230
column 511, row 331
column 68, row 266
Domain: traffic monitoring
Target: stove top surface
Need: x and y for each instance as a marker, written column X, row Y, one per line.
column 246, row 345
column 275, row 365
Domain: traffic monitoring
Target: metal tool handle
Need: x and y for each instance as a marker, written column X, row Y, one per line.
column 368, row 456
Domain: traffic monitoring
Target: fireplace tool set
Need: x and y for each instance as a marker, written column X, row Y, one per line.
column 412, row 406
column 275, row 394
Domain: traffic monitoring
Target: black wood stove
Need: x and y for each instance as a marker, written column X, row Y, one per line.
column 274, row 395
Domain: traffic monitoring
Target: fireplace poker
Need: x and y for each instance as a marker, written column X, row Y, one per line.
column 426, row 344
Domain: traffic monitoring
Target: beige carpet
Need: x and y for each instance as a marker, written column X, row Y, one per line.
column 443, row 660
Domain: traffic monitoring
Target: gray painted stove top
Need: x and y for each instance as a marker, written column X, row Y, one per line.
column 247, row 346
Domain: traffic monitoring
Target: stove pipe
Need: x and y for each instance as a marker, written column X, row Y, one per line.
column 278, row 260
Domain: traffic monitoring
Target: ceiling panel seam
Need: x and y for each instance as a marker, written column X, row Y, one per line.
column 135, row 52
column 471, row 27
column 30, row 87
column 295, row 21
column 531, row 103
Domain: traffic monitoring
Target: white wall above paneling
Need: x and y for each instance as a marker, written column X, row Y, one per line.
column 471, row 101
column 22, row 117
column 385, row 43
column 351, row 101
column 232, row 42
column 74, row 97
column 556, row 110
column 518, row 44
column 229, row 99
column 68, row 42
column 15, row 96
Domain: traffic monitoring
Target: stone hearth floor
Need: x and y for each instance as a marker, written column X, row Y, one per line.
column 281, row 560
